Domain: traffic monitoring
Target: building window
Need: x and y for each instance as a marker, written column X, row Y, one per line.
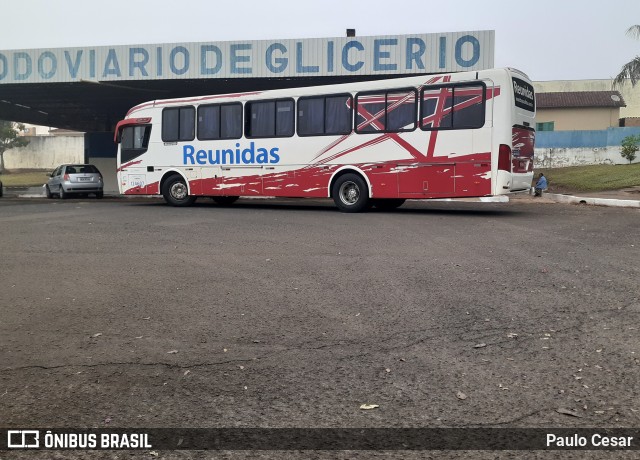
column 178, row 124
column 545, row 126
column 270, row 118
column 220, row 121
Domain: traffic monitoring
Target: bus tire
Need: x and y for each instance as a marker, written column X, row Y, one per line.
column 176, row 192
column 225, row 200
column 350, row 193
column 387, row 204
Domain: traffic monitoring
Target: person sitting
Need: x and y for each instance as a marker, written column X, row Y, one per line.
column 540, row 185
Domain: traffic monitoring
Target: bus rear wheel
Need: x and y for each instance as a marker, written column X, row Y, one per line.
column 176, row 192
column 225, row 200
column 350, row 193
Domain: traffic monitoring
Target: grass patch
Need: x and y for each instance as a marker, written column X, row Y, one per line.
column 30, row 178
column 592, row 178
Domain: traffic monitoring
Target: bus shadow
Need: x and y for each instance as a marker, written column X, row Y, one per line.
column 327, row 206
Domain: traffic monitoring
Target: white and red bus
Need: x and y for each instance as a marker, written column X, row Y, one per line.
column 468, row 134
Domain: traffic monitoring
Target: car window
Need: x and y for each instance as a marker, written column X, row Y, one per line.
column 82, row 169
column 87, row 169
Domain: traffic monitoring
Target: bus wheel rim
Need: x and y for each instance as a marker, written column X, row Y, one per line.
column 179, row 191
column 349, row 193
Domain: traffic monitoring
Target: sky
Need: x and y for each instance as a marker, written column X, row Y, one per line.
column 547, row 39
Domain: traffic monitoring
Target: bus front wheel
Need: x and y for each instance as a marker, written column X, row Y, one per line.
column 350, row 193
column 176, row 192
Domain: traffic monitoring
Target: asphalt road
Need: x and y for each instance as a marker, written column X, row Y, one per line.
column 288, row 313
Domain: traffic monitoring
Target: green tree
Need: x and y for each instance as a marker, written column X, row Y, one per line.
column 630, row 147
column 9, row 138
column 631, row 70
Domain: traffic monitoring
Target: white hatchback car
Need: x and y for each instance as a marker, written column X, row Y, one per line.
column 75, row 179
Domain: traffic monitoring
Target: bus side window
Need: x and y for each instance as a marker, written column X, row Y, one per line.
column 453, row 107
column 324, row 115
column 401, row 111
column 311, row 118
column 231, row 121
column 274, row 118
column 178, row 124
column 469, row 105
column 220, row 121
column 338, row 114
column 386, row 111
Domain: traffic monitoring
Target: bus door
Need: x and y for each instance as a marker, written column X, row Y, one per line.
column 133, row 138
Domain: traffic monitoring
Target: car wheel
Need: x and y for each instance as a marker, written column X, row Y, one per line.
column 62, row 194
column 387, row 204
column 176, row 192
column 350, row 193
column 99, row 195
column 47, row 191
column 225, row 200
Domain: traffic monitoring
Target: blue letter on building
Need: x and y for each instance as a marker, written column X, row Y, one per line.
column 204, row 68
column 417, row 54
column 303, row 68
column 52, row 67
column 345, row 56
column 111, row 65
column 378, row 54
column 28, row 66
column 476, row 51
column 276, row 65
column 141, row 63
column 236, row 59
column 172, row 60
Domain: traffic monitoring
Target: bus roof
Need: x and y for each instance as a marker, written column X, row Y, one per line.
column 400, row 82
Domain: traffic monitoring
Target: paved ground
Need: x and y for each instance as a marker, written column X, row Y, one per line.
column 129, row 313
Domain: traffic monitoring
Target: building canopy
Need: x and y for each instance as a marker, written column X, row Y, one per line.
column 91, row 88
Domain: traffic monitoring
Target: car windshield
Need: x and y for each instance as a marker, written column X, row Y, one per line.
column 82, row 169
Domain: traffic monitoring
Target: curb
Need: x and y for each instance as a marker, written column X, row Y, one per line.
column 570, row 199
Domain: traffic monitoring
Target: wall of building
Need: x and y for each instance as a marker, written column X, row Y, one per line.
column 557, row 149
column 630, row 95
column 582, row 118
column 107, row 166
column 46, row 152
column 578, row 156
column 580, row 139
column 101, row 151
